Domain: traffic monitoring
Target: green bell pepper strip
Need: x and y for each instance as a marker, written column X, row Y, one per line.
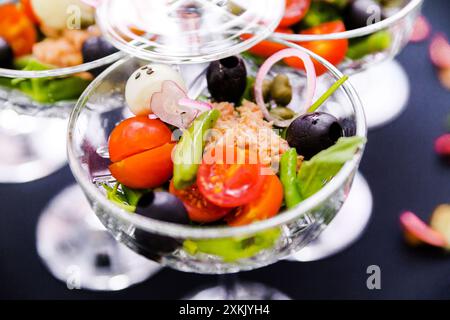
column 327, row 94
column 234, row 248
column 318, row 13
column 374, row 43
column 189, row 150
column 288, row 176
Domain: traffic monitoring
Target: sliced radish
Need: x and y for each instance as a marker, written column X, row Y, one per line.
column 165, row 104
column 145, row 82
column 421, row 31
column 418, row 229
column 440, row 51
column 311, row 80
column 194, row 104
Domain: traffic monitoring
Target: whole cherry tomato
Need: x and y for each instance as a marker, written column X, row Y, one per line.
column 267, row 205
column 294, row 12
column 17, row 29
column 267, row 48
column 199, row 209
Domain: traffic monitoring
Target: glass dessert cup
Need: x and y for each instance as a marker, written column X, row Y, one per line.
column 30, row 131
column 206, row 250
column 384, row 89
column 381, row 82
column 85, row 253
column 32, row 136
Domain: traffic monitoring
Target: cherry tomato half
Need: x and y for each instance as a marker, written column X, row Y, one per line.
column 28, row 9
column 135, row 135
column 230, row 183
column 333, row 51
column 267, row 48
column 267, row 205
column 199, row 209
column 294, row 12
column 17, row 29
column 148, row 169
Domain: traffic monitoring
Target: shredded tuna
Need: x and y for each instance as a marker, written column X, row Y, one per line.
column 63, row 49
column 245, row 127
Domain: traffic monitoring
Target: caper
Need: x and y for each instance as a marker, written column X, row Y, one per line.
column 282, row 113
column 235, row 9
column 265, row 90
column 281, row 90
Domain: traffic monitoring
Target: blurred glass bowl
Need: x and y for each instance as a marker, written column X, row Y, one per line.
column 397, row 27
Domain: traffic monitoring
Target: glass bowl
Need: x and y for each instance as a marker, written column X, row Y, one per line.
column 397, row 27
column 187, row 31
column 212, row 249
column 23, row 104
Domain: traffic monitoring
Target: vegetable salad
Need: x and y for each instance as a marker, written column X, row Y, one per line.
column 38, row 35
column 226, row 158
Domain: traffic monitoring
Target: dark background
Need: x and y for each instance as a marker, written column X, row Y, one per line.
column 403, row 172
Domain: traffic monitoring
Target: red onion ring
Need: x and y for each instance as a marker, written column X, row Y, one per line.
column 311, row 80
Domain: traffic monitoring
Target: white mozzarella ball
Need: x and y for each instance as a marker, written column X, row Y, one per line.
column 60, row 14
column 146, row 81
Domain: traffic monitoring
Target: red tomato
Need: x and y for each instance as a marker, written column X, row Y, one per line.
column 267, row 48
column 333, row 51
column 294, row 12
column 17, row 29
column 28, row 9
column 199, row 209
column 230, row 183
column 135, row 135
column 267, row 205
column 148, row 169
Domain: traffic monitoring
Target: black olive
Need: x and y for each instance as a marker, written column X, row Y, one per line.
column 227, row 79
column 95, row 48
column 361, row 13
column 161, row 206
column 313, row 132
column 6, row 54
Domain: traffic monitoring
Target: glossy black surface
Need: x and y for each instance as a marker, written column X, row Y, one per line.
column 313, row 132
column 162, row 206
column 227, row 79
column 360, row 13
column 95, row 48
column 6, row 54
column 403, row 172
